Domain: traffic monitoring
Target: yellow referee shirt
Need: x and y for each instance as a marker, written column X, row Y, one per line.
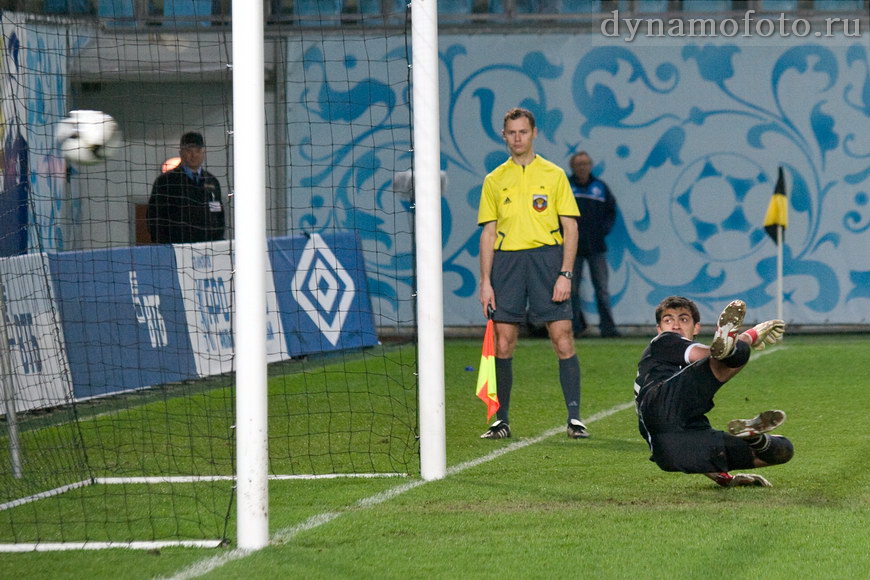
column 526, row 203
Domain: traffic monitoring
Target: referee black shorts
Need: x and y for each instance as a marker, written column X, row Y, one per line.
column 525, row 279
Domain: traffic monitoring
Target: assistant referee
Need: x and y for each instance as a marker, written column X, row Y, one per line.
column 527, row 250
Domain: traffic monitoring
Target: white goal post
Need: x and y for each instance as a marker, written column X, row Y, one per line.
column 252, row 452
column 250, row 252
column 427, row 181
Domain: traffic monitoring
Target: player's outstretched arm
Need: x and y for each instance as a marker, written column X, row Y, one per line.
column 766, row 333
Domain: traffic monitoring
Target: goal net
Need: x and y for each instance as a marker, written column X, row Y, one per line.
column 116, row 265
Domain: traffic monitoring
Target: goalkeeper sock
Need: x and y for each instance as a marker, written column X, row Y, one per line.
column 739, row 357
column 759, row 442
column 774, row 450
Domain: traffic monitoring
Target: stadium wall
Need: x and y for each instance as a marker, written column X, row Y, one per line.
column 688, row 132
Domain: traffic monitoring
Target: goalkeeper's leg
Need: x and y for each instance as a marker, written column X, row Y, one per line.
column 767, row 449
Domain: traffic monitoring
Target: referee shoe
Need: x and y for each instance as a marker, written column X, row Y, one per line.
column 725, row 339
column 764, row 422
column 498, row 430
column 577, row 430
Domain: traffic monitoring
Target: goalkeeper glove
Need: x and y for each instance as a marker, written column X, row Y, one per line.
column 766, row 333
column 748, row 479
column 741, row 480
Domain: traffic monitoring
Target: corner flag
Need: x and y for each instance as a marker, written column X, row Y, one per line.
column 777, row 211
column 486, row 389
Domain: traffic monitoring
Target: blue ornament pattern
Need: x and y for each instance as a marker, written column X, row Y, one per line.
column 689, row 135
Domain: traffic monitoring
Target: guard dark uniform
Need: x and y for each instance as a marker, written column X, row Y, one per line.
column 186, row 208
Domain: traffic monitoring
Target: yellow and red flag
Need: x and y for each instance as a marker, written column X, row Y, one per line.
column 777, row 211
column 486, row 388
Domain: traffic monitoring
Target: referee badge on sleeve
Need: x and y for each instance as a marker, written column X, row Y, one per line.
column 539, row 202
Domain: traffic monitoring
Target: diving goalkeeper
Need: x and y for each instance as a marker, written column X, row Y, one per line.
column 677, row 379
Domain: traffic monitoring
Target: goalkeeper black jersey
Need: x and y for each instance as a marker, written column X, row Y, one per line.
column 663, row 358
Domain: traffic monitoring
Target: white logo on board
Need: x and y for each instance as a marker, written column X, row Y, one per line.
column 323, row 288
column 148, row 312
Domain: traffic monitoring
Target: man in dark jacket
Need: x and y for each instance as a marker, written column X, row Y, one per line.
column 185, row 204
column 597, row 216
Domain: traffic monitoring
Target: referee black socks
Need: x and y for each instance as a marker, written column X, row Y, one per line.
column 504, row 380
column 569, row 377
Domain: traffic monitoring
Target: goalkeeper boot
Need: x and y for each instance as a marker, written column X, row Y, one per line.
column 725, row 339
column 498, row 430
column 764, row 422
column 577, row 430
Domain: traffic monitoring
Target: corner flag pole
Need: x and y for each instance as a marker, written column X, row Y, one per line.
column 779, row 244
column 775, row 222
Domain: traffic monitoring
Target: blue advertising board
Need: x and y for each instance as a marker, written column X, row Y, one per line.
column 123, row 318
column 137, row 317
column 320, row 282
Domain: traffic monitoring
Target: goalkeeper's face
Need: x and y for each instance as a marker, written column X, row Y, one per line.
column 679, row 320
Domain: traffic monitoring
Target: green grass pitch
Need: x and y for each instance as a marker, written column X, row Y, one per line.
column 557, row 507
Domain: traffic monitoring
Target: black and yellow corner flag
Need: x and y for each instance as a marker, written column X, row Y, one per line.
column 777, row 211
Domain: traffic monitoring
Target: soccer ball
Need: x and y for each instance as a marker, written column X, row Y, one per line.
column 88, row 137
column 718, row 205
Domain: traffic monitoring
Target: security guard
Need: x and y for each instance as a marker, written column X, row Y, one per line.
column 185, row 204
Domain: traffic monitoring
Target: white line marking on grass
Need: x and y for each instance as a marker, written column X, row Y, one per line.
column 769, row 350
column 203, row 567
column 532, row 440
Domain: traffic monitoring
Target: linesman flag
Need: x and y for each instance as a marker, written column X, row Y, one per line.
column 777, row 211
column 486, row 389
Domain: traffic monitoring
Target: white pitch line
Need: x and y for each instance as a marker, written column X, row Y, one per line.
column 45, row 494
column 769, row 350
column 203, row 567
